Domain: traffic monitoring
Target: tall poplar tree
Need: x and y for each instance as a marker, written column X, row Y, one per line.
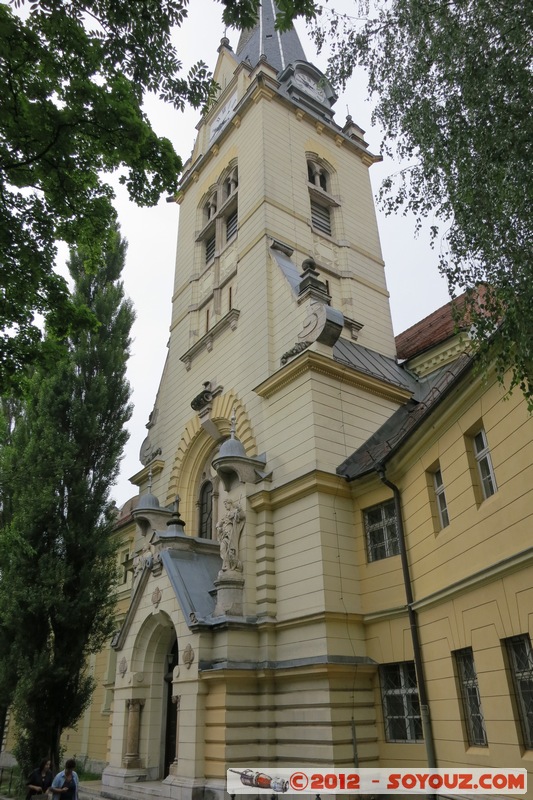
column 60, row 457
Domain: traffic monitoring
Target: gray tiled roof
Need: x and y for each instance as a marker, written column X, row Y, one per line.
column 280, row 49
column 405, row 420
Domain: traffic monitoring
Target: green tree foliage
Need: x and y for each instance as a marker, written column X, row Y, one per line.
column 453, row 90
column 60, row 456
column 72, row 80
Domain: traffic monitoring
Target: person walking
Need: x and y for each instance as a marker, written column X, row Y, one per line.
column 40, row 780
column 65, row 783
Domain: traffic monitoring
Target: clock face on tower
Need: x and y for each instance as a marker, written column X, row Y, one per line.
column 309, row 85
column 223, row 116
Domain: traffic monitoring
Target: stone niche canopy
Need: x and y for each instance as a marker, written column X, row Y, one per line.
column 232, row 464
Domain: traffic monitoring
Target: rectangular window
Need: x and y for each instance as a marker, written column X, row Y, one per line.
column 521, row 663
column 484, row 464
column 381, row 531
column 401, row 707
column 441, row 499
column 231, row 225
column 475, row 724
column 209, row 249
column 321, row 217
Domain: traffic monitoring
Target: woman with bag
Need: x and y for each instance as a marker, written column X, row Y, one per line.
column 40, row 780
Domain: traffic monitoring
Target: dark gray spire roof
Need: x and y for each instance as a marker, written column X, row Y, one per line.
column 280, row 49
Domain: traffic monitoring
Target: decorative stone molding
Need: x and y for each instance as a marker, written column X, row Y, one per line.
column 206, row 342
column 206, row 396
column 309, row 361
column 230, row 591
column 323, row 324
column 295, row 350
column 156, row 596
column 123, row 666
column 188, row 656
column 353, row 326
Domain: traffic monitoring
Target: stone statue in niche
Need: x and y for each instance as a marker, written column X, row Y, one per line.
column 229, row 529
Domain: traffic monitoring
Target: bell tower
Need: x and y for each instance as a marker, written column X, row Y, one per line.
column 280, row 364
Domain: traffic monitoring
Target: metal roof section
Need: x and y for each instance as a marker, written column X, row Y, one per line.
column 405, row 420
column 192, row 576
column 279, row 48
column 281, row 254
column 375, row 364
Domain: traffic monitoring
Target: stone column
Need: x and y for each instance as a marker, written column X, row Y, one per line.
column 132, row 758
column 177, row 700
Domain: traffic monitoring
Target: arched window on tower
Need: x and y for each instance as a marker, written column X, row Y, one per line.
column 321, row 200
column 220, row 215
column 317, row 175
column 205, row 511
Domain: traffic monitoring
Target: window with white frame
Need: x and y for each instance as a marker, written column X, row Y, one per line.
column 401, row 706
column 520, row 656
column 484, row 464
column 475, row 723
column 440, row 496
column 381, row 531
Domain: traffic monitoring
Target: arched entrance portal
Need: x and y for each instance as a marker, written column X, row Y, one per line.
column 171, row 727
column 154, row 657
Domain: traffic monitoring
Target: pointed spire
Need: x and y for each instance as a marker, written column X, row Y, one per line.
column 279, row 48
column 175, row 523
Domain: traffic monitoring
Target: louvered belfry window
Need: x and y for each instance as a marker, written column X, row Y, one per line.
column 321, row 217
column 210, row 249
column 231, row 225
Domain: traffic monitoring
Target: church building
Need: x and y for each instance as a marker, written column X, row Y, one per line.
column 329, row 560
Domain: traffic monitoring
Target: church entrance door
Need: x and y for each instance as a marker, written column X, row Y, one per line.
column 171, row 727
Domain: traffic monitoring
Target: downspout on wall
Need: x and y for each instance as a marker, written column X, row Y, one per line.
column 413, row 623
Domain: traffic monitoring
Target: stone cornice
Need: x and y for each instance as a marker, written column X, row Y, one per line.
column 142, row 476
column 303, row 486
column 439, row 356
column 311, row 361
column 229, row 320
column 494, row 572
column 317, row 664
column 265, row 86
column 477, row 580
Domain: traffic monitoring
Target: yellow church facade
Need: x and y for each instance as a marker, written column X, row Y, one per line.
column 328, row 562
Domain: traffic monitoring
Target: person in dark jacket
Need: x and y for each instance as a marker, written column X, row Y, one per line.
column 40, row 780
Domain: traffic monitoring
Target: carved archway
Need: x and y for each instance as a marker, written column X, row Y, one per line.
column 155, row 646
column 195, row 448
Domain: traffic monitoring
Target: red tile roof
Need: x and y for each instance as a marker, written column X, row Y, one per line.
column 434, row 329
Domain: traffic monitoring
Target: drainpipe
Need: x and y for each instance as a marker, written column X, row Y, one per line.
column 413, row 623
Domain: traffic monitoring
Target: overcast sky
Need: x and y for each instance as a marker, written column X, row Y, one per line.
column 414, row 284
